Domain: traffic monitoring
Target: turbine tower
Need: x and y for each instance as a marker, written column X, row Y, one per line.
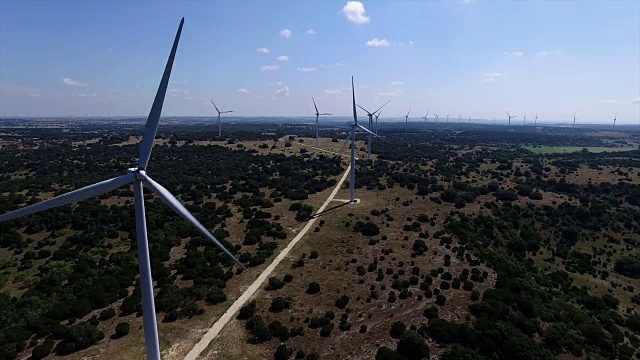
column 370, row 115
column 459, row 117
column 510, row 117
column 614, row 120
column 574, row 121
column 139, row 178
column 352, row 136
column 447, row 118
column 426, row 120
column 406, row 121
column 469, row 119
column 524, row 121
column 436, row 116
column 317, row 115
column 536, row 121
column 220, row 112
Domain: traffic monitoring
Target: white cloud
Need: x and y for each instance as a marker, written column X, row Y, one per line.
column 391, row 94
column 331, row 66
column 375, row 42
column 270, row 67
column 262, row 50
column 87, row 95
column 179, row 92
column 307, row 69
column 636, row 100
column 549, row 52
column 310, row 32
column 333, row 92
column 495, row 74
column 513, row 53
column 283, row 91
column 396, row 83
column 609, row 101
column 283, row 58
column 70, row 82
column 244, row 91
column 286, row 33
column 354, row 12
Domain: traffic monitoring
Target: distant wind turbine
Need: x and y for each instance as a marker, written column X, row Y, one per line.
column 370, row 115
column 426, row 120
column 614, row 120
column 536, row 121
column 469, row 119
column 494, row 120
column 510, row 117
column 317, row 115
column 447, row 118
column 219, row 123
column 436, row 116
column 406, row 121
column 377, row 116
column 139, row 178
column 574, row 121
column 459, row 117
column 524, row 121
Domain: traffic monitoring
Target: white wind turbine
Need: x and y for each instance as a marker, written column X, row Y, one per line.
column 377, row 116
column 406, row 121
column 535, row 123
column 524, row 121
column 219, row 123
column 614, row 120
column 469, row 119
column 574, row 121
column 510, row 117
column 436, row 116
column 447, row 118
column 426, row 120
column 352, row 136
column 139, row 178
column 317, row 115
column 459, row 117
column 370, row 115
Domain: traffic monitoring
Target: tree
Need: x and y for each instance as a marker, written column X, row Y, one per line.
column 313, row 288
column 282, row 352
column 628, row 266
column 384, row 353
column 342, row 302
column 412, row 346
column 122, row 329
column 397, row 329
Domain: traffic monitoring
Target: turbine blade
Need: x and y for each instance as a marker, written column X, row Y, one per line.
column 344, row 145
column 314, row 105
column 72, row 197
column 367, row 130
column 385, row 104
column 176, row 206
column 365, row 110
column 408, row 111
column 353, row 92
column 214, row 105
column 225, row 112
column 151, row 128
column 326, row 114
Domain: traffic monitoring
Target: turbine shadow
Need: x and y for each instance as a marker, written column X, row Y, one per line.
column 328, row 210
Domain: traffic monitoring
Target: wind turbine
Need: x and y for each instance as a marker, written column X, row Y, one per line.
column 574, row 121
column 139, row 178
column 370, row 115
column 426, row 120
column 377, row 116
column 494, row 120
column 536, row 121
column 447, row 118
column 469, row 119
column 352, row 136
column 459, row 117
column 406, row 121
column 436, row 116
column 614, row 120
column 524, row 121
column 317, row 115
column 220, row 112
column 510, row 117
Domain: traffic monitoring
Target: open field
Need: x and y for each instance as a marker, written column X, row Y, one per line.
column 571, row 149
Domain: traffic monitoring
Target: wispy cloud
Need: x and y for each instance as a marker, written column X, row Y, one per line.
column 396, row 83
column 283, row 58
column 635, row 100
column 310, row 32
column 262, row 50
column 333, row 92
column 244, row 91
column 375, row 42
column 549, row 52
column 286, row 33
column 513, row 53
column 270, row 67
column 354, row 12
column 608, row 101
column 331, row 66
column 87, row 95
column 179, row 92
column 390, row 94
column 491, row 77
column 283, row 91
column 70, row 82
column 307, row 69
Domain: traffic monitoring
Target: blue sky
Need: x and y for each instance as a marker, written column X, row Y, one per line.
column 475, row 58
